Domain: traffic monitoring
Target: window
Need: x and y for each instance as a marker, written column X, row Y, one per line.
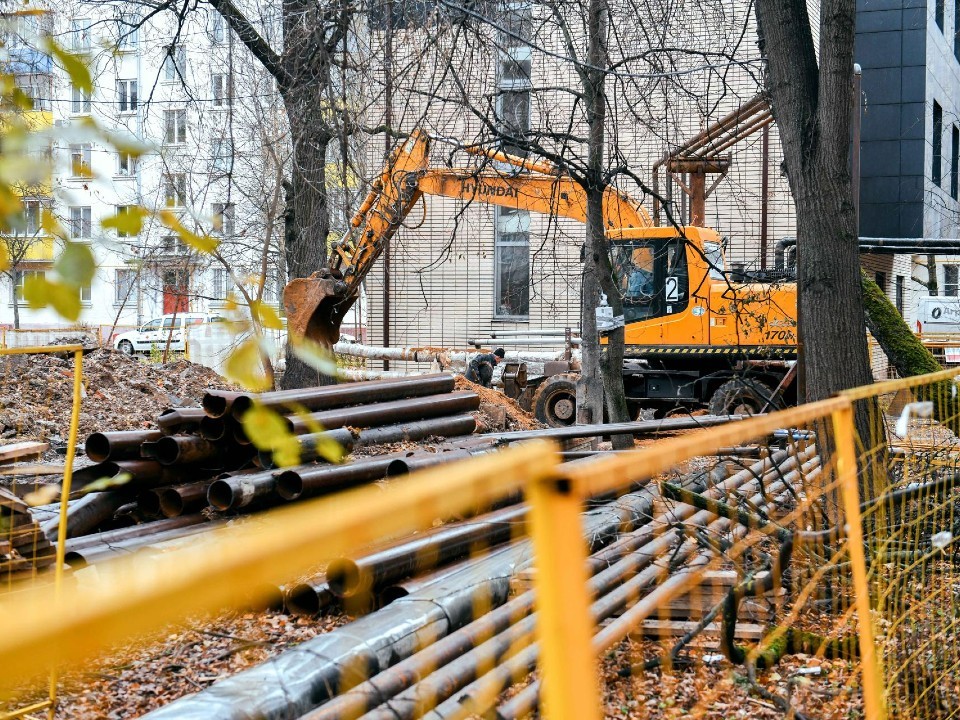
column 123, row 210
column 80, row 160
column 937, row 169
column 81, row 101
column 222, row 90
column 85, row 294
column 951, row 280
column 175, row 63
column 175, row 122
column 175, row 189
column 80, row 35
column 217, row 28
column 954, row 162
column 37, row 88
column 898, row 293
column 127, row 34
column 126, row 163
column 652, row 277
column 219, row 288
column 124, row 282
column 223, row 214
column 31, row 217
column 80, row 223
column 22, row 276
column 512, row 259
column 221, row 154
column 127, row 95
column 517, row 25
column 173, row 245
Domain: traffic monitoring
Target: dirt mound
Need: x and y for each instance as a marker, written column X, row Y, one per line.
column 120, row 393
column 493, row 405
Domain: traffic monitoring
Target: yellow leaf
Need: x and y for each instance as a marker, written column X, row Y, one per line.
column 74, row 65
column 129, row 222
column 269, row 431
column 107, row 483
column 4, row 258
column 202, row 243
column 245, row 367
column 266, row 315
column 36, row 291
column 314, row 354
column 50, row 224
column 64, row 297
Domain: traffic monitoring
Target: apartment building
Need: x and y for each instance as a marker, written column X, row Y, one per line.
column 199, row 131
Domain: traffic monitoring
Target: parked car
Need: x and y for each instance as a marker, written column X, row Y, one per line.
column 157, row 331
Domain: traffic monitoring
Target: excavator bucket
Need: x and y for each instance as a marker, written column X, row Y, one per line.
column 315, row 308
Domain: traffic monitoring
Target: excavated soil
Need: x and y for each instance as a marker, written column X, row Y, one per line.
column 119, row 393
column 497, row 411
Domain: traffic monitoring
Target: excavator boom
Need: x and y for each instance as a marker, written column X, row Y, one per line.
column 316, row 305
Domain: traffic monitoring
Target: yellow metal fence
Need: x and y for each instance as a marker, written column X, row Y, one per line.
column 832, row 543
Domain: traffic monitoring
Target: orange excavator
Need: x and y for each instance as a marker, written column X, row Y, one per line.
column 693, row 337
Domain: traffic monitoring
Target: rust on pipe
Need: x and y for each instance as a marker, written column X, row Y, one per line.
column 235, row 492
column 308, row 598
column 175, row 501
column 349, row 577
column 388, row 413
column 312, row 444
column 143, row 473
column 174, row 420
column 185, row 449
column 124, row 445
column 419, row 461
column 344, row 394
column 217, row 403
column 418, row 430
column 148, row 502
column 212, row 428
column 296, row 483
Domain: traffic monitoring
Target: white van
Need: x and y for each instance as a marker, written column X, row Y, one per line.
column 937, row 315
column 157, row 331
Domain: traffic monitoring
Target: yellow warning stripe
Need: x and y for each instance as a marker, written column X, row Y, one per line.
column 764, row 350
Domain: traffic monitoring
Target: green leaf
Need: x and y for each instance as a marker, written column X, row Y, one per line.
column 266, row 315
column 129, row 222
column 76, row 264
column 245, row 367
column 74, row 65
column 202, row 243
column 64, row 297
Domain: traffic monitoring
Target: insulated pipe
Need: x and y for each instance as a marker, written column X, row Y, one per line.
column 175, row 501
column 79, row 557
column 334, row 660
column 388, row 413
column 112, row 537
column 418, row 430
column 294, row 483
column 417, row 583
column 185, row 449
column 348, row 577
column 334, row 396
column 641, row 427
column 174, row 420
column 313, row 446
column 125, row 445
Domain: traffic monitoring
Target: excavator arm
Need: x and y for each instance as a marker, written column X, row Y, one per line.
column 316, row 305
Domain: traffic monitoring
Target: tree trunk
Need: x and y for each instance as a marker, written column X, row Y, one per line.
column 16, row 300
column 932, row 285
column 308, row 213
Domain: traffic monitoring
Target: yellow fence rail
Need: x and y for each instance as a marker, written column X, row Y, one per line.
column 825, row 516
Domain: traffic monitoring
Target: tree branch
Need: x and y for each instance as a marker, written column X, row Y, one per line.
column 252, row 40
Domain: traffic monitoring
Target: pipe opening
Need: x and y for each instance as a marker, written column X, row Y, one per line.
column 303, row 599
column 240, row 406
column 289, row 485
column 171, row 503
column 214, row 405
column 97, row 447
column 213, row 428
column 149, row 502
column 394, row 592
column 343, row 577
column 397, row 468
column 75, row 560
column 220, row 495
column 167, row 451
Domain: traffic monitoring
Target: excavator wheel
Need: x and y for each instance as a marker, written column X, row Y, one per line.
column 555, row 401
column 740, row 396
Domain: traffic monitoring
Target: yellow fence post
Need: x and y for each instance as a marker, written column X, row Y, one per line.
column 846, row 463
column 564, row 624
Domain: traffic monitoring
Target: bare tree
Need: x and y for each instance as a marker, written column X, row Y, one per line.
column 22, row 239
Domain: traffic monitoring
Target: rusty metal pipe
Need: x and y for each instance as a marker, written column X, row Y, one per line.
column 233, row 493
column 87, row 512
column 388, row 413
column 295, row 483
column 175, row 501
column 419, row 461
column 344, row 394
column 642, row 427
column 78, row 557
column 417, row 583
column 186, row 449
column 213, row 428
column 312, row 446
column 348, row 577
column 148, row 502
column 143, row 473
column 124, row 445
column 308, row 598
column 174, row 420
column 408, row 432
column 111, row 537
column 217, row 403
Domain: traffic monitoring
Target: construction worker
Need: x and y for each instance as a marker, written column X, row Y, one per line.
column 480, row 369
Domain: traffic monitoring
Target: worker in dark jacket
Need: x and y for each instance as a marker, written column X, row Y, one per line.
column 480, row 369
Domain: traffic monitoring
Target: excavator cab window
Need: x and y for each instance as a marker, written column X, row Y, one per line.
column 652, row 276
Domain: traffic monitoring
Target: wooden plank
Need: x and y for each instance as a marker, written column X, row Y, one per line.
column 678, row 628
column 32, row 470
column 18, row 451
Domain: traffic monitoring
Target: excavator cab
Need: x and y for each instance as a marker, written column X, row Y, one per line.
column 652, row 276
